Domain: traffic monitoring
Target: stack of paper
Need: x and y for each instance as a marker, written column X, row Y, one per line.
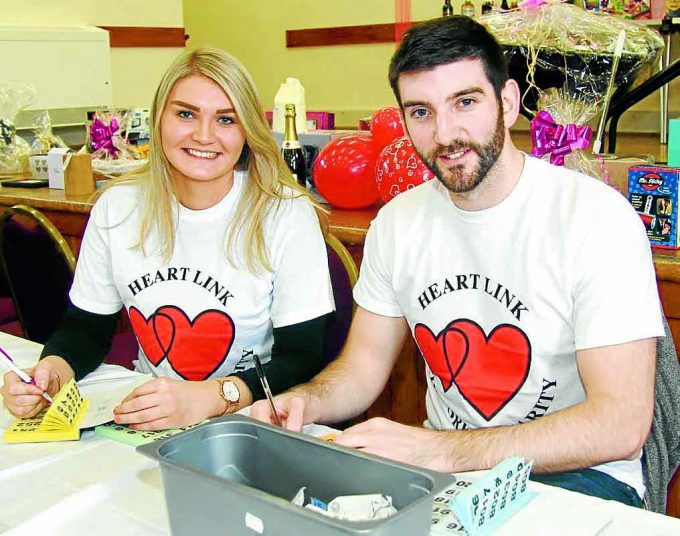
column 77, row 406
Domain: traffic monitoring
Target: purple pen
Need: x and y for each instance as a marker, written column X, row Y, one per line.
column 9, row 363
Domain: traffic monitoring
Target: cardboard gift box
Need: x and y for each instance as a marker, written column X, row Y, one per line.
column 70, row 171
column 653, row 192
column 617, row 167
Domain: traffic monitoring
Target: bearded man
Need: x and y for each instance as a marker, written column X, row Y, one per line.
column 529, row 289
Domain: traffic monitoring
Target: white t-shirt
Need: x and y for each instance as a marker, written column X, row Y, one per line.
column 198, row 316
column 499, row 300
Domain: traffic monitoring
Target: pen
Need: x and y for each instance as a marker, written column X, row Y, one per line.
column 265, row 387
column 9, row 363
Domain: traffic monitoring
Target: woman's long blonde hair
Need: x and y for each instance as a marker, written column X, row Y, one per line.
column 268, row 178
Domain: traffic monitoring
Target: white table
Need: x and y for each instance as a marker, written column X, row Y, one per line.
column 98, row 486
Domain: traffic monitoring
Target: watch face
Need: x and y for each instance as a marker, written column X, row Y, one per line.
column 230, row 391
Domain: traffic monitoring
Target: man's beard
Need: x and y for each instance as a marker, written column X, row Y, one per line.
column 455, row 178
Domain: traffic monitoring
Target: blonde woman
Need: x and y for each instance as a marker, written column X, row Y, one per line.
column 214, row 251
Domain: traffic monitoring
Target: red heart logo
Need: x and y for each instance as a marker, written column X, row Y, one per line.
column 445, row 354
column 155, row 335
column 195, row 349
column 491, row 370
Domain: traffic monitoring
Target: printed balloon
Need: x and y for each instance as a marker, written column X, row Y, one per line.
column 344, row 171
column 399, row 168
column 386, row 126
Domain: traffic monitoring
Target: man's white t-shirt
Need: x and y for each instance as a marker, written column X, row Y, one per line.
column 499, row 300
column 197, row 315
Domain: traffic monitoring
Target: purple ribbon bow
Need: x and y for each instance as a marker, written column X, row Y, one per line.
column 528, row 4
column 547, row 137
column 101, row 135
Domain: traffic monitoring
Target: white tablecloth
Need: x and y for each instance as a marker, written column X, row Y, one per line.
column 98, row 486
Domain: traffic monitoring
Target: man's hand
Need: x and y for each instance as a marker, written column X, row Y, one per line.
column 408, row 444
column 349, row 384
column 289, row 406
column 24, row 400
column 611, row 424
column 164, row 403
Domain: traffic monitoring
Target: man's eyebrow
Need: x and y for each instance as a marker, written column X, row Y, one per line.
column 197, row 109
column 466, row 91
column 409, row 104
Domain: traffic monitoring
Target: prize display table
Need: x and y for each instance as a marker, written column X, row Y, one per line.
column 99, row 486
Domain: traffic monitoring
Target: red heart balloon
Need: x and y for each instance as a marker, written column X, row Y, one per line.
column 399, row 168
column 344, row 171
column 386, row 125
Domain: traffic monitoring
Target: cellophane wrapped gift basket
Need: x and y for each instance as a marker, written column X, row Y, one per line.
column 563, row 58
column 112, row 154
column 14, row 150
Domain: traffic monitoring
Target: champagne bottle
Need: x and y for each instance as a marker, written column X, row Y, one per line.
column 468, row 9
column 447, row 9
column 291, row 150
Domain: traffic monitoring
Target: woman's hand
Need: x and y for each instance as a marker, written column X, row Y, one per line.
column 166, row 403
column 24, row 400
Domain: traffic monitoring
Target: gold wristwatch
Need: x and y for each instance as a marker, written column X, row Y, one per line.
column 230, row 393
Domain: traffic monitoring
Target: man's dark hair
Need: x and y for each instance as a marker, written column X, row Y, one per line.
column 445, row 40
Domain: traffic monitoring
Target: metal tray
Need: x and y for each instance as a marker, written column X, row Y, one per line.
column 236, row 476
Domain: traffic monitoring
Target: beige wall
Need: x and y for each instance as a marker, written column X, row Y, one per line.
column 348, row 80
column 135, row 71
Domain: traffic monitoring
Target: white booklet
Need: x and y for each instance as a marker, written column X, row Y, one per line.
column 105, row 388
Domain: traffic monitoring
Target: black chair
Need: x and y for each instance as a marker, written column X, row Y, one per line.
column 38, row 266
column 662, row 447
column 9, row 322
column 344, row 275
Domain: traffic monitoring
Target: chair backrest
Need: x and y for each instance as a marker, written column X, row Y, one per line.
column 38, row 266
column 662, row 448
column 344, row 275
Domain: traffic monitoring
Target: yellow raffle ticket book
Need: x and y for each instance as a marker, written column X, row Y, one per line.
column 60, row 421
